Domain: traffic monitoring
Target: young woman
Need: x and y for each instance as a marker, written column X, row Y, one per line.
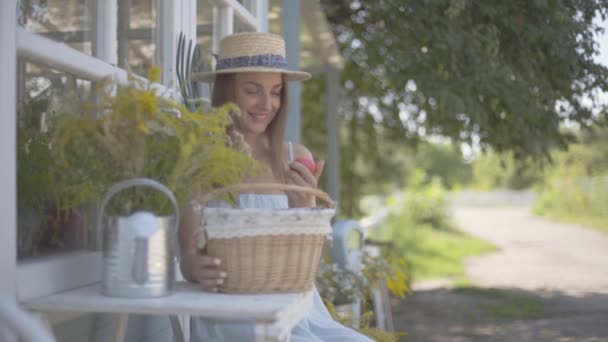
column 251, row 71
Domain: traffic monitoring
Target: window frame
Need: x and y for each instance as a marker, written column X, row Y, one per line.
column 47, row 275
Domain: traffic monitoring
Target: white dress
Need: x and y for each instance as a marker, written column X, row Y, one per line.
column 318, row 325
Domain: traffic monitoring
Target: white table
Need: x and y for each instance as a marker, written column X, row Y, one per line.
column 274, row 314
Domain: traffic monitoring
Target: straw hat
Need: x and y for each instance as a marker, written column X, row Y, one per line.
column 252, row 52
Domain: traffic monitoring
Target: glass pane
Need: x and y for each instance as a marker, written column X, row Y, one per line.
column 68, row 21
column 242, row 26
column 204, row 30
column 43, row 228
column 204, row 38
column 137, row 35
column 249, row 5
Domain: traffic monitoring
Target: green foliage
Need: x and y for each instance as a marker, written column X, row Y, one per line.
column 366, row 167
column 389, row 268
column 502, row 170
column 445, row 162
column 587, row 158
column 42, row 227
column 365, row 328
column 339, row 285
column 575, row 187
column 426, row 203
column 575, row 199
column 342, row 286
column 423, row 234
column 501, row 74
column 135, row 132
column 33, row 162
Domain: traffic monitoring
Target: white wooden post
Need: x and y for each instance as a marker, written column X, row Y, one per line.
column 290, row 17
column 168, row 27
column 225, row 22
column 8, row 152
column 106, row 26
column 332, row 84
column 262, row 15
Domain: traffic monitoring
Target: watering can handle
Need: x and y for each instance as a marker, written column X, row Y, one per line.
column 122, row 185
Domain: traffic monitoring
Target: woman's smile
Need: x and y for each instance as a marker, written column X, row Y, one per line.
column 259, row 116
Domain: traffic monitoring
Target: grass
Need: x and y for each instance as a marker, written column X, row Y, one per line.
column 575, row 200
column 599, row 223
column 434, row 253
column 441, row 253
column 423, row 233
column 505, row 303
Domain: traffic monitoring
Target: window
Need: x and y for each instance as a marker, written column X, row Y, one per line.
column 205, row 13
column 68, row 21
column 63, row 48
column 216, row 19
column 137, row 35
column 42, row 227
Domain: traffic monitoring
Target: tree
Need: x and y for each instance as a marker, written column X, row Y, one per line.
column 495, row 74
column 504, row 72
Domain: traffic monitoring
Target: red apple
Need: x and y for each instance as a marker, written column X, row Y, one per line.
column 308, row 162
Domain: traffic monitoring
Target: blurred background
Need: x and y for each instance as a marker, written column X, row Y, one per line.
column 480, row 127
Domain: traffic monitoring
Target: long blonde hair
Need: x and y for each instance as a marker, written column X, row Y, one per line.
column 224, row 92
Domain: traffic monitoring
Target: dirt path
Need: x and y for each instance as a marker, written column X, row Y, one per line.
column 552, row 282
column 535, row 253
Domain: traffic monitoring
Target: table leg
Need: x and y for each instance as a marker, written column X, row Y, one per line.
column 176, row 327
column 121, row 327
column 261, row 332
column 269, row 332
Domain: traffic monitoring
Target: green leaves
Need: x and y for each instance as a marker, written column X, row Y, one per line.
column 477, row 59
column 499, row 75
column 142, row 134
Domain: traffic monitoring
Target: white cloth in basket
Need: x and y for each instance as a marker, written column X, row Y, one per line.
column 318, row 325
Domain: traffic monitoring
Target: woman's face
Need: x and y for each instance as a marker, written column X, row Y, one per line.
column 258, row 95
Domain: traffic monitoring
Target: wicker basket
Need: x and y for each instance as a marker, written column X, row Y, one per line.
column 266, row 250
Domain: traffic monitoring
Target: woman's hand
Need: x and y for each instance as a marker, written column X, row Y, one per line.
column 205, row 270
column 195, row 264
column 298, row 174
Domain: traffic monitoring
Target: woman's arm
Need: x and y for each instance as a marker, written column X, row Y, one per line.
column 189, row 219
column 299, row 174
column 195, row 264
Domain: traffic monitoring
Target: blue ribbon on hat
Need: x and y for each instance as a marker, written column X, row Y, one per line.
column 265, row 60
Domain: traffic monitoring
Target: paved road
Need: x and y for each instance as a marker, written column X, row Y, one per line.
column 535, row 253
column 564, row 266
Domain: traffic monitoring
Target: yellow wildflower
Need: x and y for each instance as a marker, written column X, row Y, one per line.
column 148, row 102
column 154, row 74
column 396, row 283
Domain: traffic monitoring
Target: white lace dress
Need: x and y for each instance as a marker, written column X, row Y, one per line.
column 318, row 325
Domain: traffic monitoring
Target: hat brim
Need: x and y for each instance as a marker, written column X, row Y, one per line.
column 290, row 76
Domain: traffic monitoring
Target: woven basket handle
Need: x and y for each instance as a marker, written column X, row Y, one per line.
column 267, row 186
